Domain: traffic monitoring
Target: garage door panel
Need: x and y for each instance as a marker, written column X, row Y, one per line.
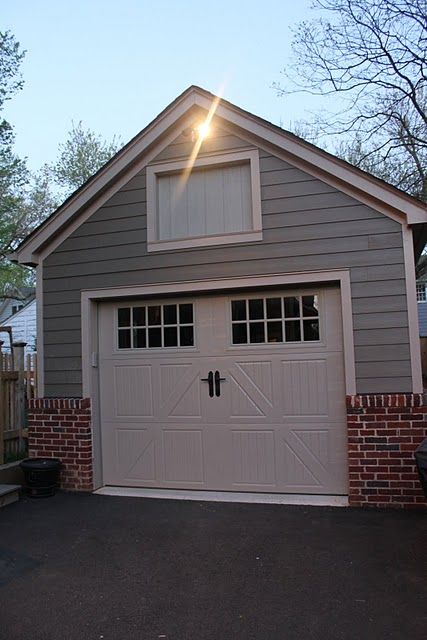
column 133, row 391
column 306, row 458
column 304, row 387
column 183, row 456
column 130, row 454
column 253, row 458
column 245, row 404
column 275, row 423
column 180, row 392
column 259, row 376
column 171, row 375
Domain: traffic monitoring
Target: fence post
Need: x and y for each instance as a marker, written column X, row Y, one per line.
column 21, row 405
column 2, row 405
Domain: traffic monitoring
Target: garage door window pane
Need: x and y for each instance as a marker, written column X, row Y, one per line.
column 170, row 337
column 240, row 333
column 292, row 331
column 124, row 338
column 283, row 319
column 311, row 330
column 169, row 314
column 291, row 307
column 256, row 309
column 155, row 337
column 139, row 339
column 138, row 316
column 186, row 313
column 238, row 310
column 256, row 332
column 164, row 326
column 186, row 336
column 274, row 332
column 154, row 315
column 123, row 317
column 310, row 306
column 274, row 307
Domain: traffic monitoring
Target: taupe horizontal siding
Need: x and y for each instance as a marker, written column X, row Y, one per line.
column 307, row 225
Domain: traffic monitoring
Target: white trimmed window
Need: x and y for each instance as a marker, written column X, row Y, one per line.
column 217, row 202
column 421, row 292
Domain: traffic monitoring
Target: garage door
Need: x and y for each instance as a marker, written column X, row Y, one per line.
column 237, row 393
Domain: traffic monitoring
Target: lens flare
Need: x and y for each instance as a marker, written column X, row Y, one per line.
column 203, row 130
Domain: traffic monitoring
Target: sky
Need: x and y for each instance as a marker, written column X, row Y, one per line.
column 115, row 65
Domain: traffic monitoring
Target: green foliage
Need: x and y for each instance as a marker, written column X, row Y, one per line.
column 10, row 78
column 83, row 153
column 13, row 171
column 26, row 198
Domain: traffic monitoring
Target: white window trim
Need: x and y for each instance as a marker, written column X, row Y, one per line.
column 223, row 159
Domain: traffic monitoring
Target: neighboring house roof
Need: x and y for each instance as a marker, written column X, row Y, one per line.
column 183, row 111
column 24, row 295
column 23, row 324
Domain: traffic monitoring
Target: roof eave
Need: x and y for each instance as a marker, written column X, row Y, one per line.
column 407, row 209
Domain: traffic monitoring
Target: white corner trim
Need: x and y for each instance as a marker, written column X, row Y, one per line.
column 90, row 298
column 411, row 303
column 40, row 330
column 223, row 159
column 348, row 336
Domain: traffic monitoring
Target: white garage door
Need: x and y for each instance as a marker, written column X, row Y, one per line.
column 238, row 393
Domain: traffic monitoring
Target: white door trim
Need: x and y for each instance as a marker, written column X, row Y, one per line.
column 412, row 306
column 89, row 298
column 89, row 310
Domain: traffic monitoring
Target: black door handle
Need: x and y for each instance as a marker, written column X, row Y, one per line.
column 218, row 381
column 209, row 380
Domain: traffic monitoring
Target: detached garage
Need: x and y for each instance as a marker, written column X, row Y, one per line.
column 231, row 312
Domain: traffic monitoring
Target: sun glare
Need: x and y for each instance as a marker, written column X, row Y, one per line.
column 203, row 130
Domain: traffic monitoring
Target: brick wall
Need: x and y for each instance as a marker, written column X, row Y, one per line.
column 383, row 433
column 61, row 428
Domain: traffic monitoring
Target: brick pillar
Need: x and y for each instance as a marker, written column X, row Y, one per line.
column 61, row 428
column 383, row 432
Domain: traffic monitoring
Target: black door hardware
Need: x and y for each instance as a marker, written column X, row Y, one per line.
column 218, row 381
column 209, row 380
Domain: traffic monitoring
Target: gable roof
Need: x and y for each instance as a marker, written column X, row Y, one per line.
column 23, row 309
column 136, row 153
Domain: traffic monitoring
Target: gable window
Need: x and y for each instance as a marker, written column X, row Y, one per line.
column 421, row 292
column 217, row 202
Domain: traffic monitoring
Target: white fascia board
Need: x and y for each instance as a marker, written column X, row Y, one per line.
column 382, row 198
column 338, row 169
column 28, row 254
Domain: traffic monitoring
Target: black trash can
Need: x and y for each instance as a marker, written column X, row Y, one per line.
column 421, row 460
column 41, row 476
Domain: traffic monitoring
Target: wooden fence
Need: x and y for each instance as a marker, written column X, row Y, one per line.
column 18, row 382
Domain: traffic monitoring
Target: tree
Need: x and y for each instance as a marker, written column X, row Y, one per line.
column 10, row 78
column 83, row 153
column 26, row 198
column 13, row 171
column 373, row 55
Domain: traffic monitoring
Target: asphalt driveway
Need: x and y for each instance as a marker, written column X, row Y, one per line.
column 98, row 567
